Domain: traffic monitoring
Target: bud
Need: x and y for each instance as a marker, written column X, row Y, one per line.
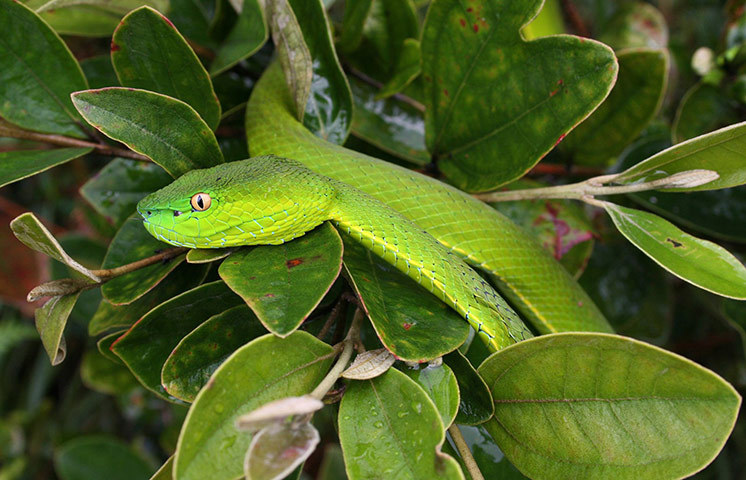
column 690, row 179
column 276, row 411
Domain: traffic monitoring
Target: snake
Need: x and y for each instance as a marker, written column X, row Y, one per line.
column 432, row 232
column 269, row 200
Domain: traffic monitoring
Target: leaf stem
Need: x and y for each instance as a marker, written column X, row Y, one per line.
column 64, row 141
column 109, row 273
column 375, row 83
column 344, row 358
column 588, row 189
column 463, row 450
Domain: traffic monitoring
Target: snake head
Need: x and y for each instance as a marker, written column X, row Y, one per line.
column 260, row 201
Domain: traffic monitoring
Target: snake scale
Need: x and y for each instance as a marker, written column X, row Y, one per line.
column 423, row 227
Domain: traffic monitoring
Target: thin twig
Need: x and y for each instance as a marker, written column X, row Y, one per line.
column 375, row 83
column 463, row 450
column 64, row 141
column 110, row 273
column 344, row 358
column 339, row 308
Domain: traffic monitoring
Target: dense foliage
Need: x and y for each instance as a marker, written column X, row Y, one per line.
column 316, row 358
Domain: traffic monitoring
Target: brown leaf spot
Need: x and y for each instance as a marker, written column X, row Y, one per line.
column 406, row 325
column 462, row 22
column 269, row 295
column 445, row 92
column 562, row 137
column 114, row 46
column 475, row 27
column 674, row 243
column 293, row 262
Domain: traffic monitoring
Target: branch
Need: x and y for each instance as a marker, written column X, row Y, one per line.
column 63, row 141
column 375, row 83
column 349, row 342
column 463, row 450
column 110, row 273
column 588, row 189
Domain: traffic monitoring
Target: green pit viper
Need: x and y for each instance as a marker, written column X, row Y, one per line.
column 425, row 228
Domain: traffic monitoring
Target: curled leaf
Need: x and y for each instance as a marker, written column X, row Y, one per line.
column 272, row 412
column 369, row 364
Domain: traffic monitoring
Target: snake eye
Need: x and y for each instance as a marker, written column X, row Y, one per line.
column 201, row 201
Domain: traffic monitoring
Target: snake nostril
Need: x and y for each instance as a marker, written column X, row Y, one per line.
column 149, row 213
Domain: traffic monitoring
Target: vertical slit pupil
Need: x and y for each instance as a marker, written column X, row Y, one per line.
column 200, row 203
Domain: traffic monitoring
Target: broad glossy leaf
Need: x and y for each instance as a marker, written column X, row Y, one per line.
column 632, row 292
column 94, row 457
column 636, row 25
column 82, row 20
column 149, row 53
column 165, row 129
column 406, row 70
column 105, row 343
column 115, row 190
column 210, row 446
column 50, row 322
column 700, row 262
column 116, row 6
column 102, row 375
column 150, row 341
column 634, row 101
column 356, row 11
column 475, row 400
column 636, row 411
column 393, row 126
column 703, row 108
column 389, row 428
column 200, row 353
column 496, row 104
column 166, row 470
column 490, row 459
column 561, row 226
column 99, row 71
column 32, row 233
column 440, row 384
column 278, row 449
column 284, row 283
column 132, row 243
column 247, row 36
column 37, row 74
column 108, row 316
column 721, row 151
column 207, row 255
column 413, row 325
column 19, row 164
column 327, row 111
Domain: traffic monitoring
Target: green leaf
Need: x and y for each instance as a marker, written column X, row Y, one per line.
column 721, row 151
column 441, row 386
column 475, row 399
column 636, row 25
column 12, row 333
column 356, row 12
column 474, row 61
column 549, row 21
column 640, row 309
column 200, row 353
column 148, row 344
column 102, row 375
column 30, row 231
column 94, row 457
column 388, row 24
column 105, row 343
column 332, row 466
column 327, row 108
column 582, row 405
column 414, row 326
column 699, row 262
column 166, row 470
column 149, row 53
column 207, row 255
column 116, row 6
column 108, row 316
column 703, row 108
column 284, row 283
column 19, row 164
column 99, row 71
column 165, row 129
column 50, row 322
column 209, row 444
column 631, row 105
column 389, row 428
column 83, row 20
column 132, row 243
column 116, row 189
column 37, row 74
column 394, row 127
column 278, row 449
column 246, row 37
column 406, row 70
